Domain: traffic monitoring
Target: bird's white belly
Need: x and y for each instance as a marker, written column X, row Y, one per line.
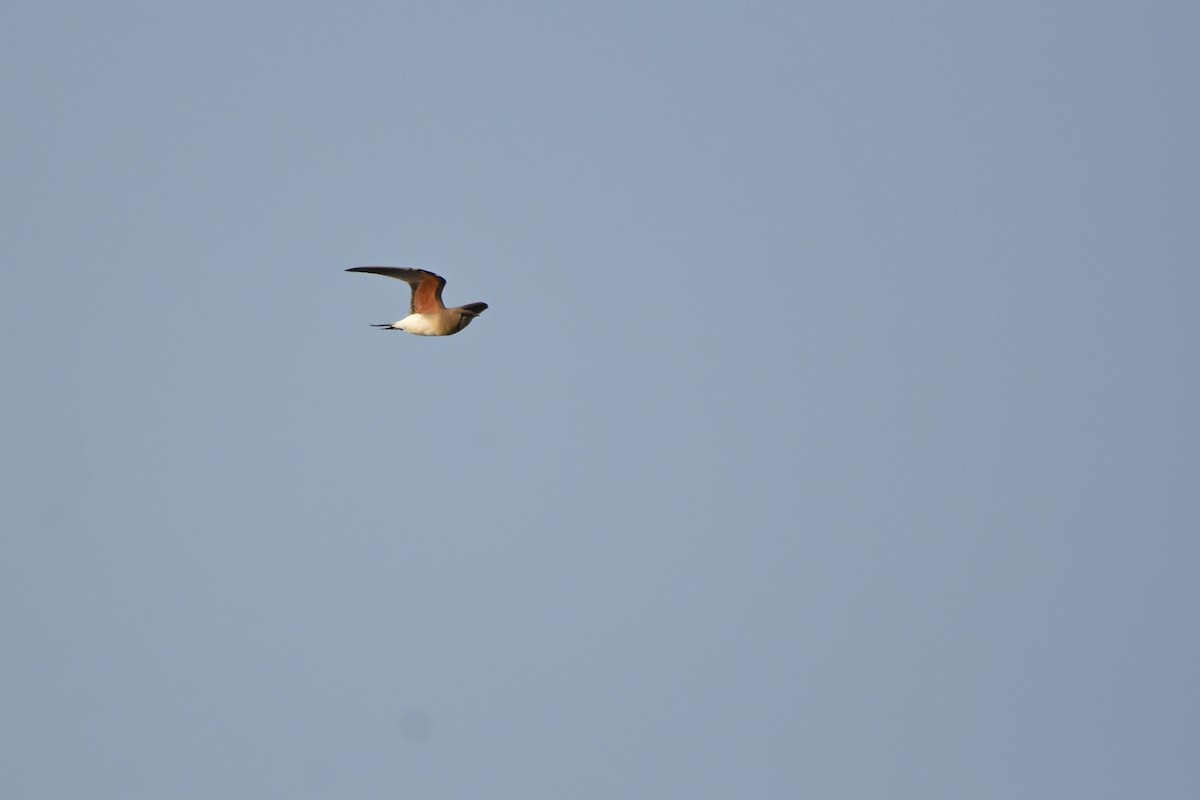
column 420, row 324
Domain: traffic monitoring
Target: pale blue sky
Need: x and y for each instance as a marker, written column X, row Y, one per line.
column 833, row 431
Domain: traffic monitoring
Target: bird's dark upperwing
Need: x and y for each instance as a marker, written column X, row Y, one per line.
column 426, row 287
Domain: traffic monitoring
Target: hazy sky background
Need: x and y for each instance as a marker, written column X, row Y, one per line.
column 834, row 431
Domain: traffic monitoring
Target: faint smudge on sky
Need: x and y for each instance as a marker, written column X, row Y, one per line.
column 415, row 724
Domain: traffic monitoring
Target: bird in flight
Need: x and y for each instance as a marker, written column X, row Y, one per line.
column 428, row 316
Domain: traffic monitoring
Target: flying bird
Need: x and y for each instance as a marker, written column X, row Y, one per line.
column 428, row 316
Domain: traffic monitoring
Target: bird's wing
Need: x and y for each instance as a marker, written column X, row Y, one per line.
column 426, row 287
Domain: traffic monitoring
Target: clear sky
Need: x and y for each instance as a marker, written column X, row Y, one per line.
column 834, row 431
